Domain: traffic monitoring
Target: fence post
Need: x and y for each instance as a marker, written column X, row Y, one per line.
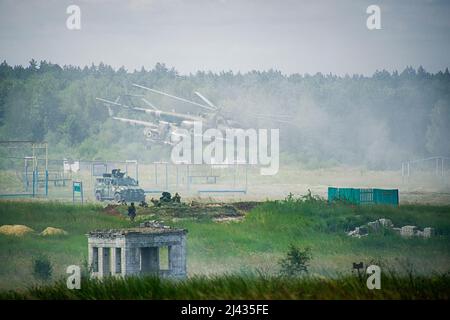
column 442, row 167
column 34, row 183
column 246, row 177
column 188, row 179
column 137, row 171
column 437, row 167
column 46, row 183
column 167, row 178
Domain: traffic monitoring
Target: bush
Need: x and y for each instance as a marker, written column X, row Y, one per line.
column 296, row 261
column 307, row 198
column 42, row 268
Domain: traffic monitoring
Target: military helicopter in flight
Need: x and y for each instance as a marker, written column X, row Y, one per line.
column 164, row 125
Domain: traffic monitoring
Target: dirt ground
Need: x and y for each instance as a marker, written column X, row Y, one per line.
column 241, row 186
column 192, row 209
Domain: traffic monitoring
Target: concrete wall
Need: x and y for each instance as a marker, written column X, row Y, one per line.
column 177, row 258
column 139, row 254
column 104, row 245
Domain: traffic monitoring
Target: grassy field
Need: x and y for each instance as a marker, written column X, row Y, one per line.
column 262, row 239
column 223, row 254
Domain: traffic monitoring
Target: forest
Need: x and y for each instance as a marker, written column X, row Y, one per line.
column 372, row 121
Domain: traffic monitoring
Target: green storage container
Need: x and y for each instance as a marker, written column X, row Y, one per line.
column 364, row 196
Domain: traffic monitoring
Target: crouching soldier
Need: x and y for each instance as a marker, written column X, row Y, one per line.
column 176, row 198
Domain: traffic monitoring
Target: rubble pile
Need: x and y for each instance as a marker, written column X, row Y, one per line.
column 153, row 224
column 50, row 231
column 380, row 224
column 18, row 230
column 413, row 231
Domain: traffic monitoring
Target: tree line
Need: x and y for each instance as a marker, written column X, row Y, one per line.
column 375, row 121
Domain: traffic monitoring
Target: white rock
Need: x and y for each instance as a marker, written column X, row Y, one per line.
column 408, row 231
column 428, row 232
column 397, row 230
column 374, row 225
column 419, row 233
column 386, row 223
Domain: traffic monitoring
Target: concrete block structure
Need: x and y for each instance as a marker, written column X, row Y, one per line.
column 428, row 232
column 408, row 231
column 149, row 249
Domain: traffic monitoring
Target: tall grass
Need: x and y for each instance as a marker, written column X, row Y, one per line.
column 244, row 287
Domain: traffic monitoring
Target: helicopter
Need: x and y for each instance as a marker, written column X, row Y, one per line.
column 166, row 126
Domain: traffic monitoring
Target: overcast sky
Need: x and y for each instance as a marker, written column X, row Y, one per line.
column 239, row 35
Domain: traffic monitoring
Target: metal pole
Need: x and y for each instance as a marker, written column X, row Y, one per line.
column 246, row 177
column 137, row 171
column 187, row 177
column 46, row 156
column 34, row 183
column 167, row 179
column 37, row 182
column 437, row 167
column 403, row 170
column 234, row 176
column 26, row 183
column 442, row 167
column 156, row 173
column 46, row 183
column 34, row 158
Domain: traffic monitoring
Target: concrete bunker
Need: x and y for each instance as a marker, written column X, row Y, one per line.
column 145, row 250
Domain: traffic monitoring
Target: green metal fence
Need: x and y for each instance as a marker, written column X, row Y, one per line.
column 364, row 196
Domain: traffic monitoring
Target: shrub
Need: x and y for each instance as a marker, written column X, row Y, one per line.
column 296, row 261
column 42, row 268
column 307, row 198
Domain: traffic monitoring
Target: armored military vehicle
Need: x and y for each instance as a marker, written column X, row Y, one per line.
column 118, row 187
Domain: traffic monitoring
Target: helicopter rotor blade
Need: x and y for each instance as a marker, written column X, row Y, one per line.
column 156, row 112
column 137, row 122
column 209, row 103
column 272, row 116
column 149, row 104
column 174, row 97
column 109, row 102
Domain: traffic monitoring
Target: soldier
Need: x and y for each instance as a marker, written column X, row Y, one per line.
column 166, row 197
column 143, row 204
column 176, row 198
column 132, row 211
column 155, row 202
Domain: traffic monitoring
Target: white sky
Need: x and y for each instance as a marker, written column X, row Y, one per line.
column 240, row 35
